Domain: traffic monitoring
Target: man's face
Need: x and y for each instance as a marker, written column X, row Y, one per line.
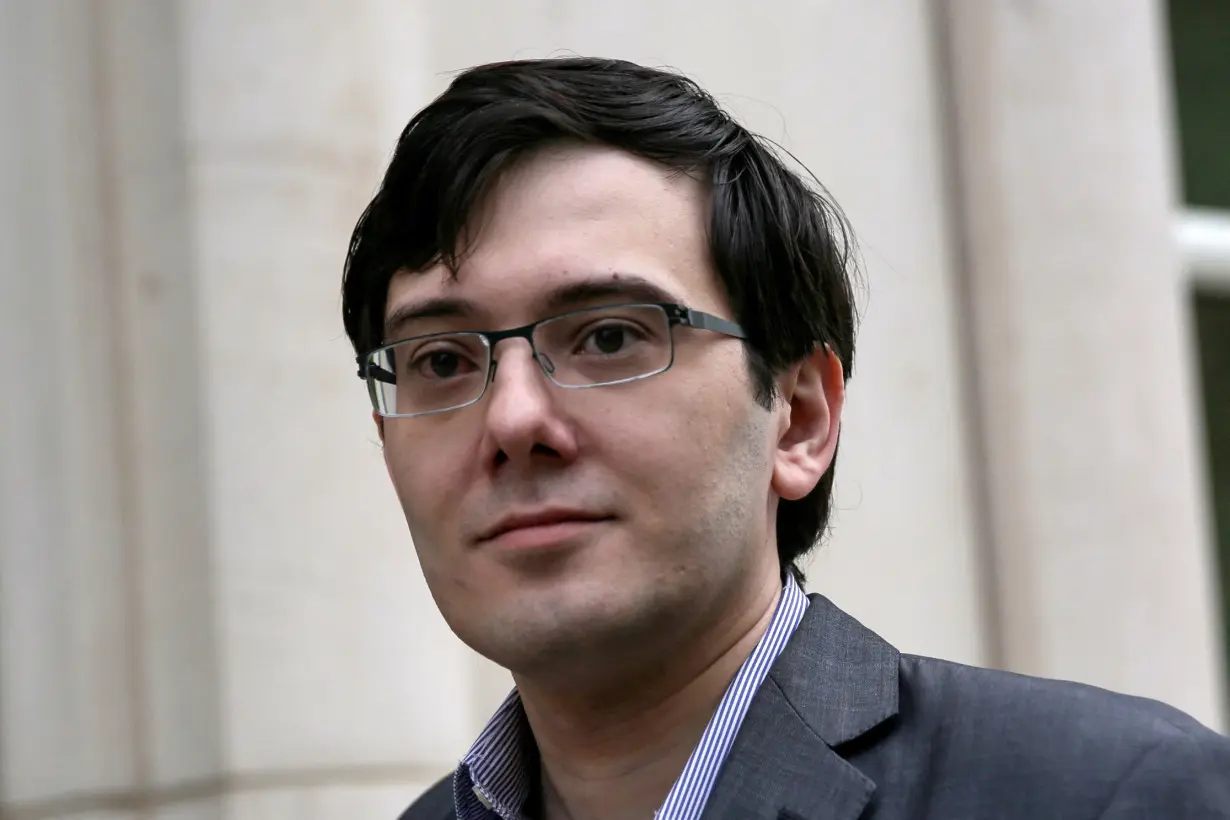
column 669, row 476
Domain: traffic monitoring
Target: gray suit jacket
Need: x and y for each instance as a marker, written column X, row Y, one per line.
column 846, row 727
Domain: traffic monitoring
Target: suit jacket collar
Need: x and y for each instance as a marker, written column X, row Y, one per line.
column 835, row 681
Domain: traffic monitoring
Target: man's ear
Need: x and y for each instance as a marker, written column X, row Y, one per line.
column 812, row 394
column 379, row 419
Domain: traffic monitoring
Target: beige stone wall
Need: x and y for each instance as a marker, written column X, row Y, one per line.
column 1083, row 348
column 209, row 606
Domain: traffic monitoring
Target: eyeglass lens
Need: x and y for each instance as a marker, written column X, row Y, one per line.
column 586, row 348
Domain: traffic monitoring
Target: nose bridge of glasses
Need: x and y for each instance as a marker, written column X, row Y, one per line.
column 526, row 332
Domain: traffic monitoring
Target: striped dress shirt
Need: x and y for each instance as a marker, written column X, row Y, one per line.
column 495, row 777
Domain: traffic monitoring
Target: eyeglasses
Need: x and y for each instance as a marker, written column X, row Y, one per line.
column 592, row 347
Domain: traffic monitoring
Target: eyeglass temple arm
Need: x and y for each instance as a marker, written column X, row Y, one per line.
column 707, row 321
column 378, row 373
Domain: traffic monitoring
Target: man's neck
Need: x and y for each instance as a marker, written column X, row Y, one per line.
column 616, row 755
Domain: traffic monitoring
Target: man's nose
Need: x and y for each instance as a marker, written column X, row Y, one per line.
column 522, row 413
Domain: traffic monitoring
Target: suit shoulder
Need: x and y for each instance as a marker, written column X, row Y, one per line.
column 966, row 739
column 434, row 804
column 1036, row 712
column 1187, row 775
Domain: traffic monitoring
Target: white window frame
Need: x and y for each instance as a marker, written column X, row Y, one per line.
column 1203, row 235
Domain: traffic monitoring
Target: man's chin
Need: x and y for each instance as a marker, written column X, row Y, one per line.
column 560, row 639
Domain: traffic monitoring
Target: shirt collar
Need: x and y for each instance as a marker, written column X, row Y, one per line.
column 494, row 780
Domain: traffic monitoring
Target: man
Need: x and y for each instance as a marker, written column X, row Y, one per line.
column 606, row 334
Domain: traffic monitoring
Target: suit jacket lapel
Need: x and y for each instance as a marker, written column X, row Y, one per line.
column 835, row 681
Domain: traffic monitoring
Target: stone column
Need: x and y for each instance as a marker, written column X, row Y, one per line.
column 109, row 696
column 71, row 664
column 344, row 694
column 1083, row 357
column 209, row 604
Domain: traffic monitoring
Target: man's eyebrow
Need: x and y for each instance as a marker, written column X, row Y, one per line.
column 627, row 287
column 441, row 307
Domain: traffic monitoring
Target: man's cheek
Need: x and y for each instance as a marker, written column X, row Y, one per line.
column 649, row 460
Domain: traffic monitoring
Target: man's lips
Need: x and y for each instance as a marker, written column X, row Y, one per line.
column 541, row 520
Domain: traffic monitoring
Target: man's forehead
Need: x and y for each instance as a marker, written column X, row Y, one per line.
column 580, row 195
column 603, row 170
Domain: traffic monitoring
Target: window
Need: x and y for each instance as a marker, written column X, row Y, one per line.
column 1199, row 32
column 1213, row 330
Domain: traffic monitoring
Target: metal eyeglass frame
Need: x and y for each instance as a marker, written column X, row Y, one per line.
column 675, row 315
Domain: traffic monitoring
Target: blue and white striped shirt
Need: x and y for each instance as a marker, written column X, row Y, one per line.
column 495, row 777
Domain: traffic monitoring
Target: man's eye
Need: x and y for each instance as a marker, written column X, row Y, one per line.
column 441, row 364
column 610, row 339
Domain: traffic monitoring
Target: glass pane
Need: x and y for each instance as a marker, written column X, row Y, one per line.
column 1213, row 329
column 1200, row 49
